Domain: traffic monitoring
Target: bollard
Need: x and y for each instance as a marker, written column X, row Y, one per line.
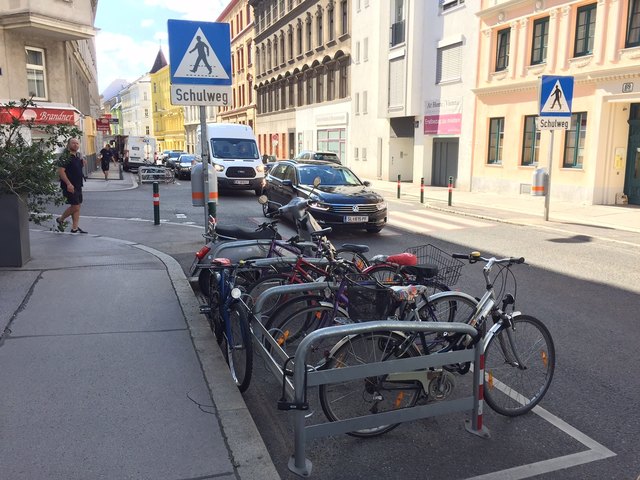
column 422, row 190
column 398, row 186
column 120, row 171
column 450, row 189
column 156, row 204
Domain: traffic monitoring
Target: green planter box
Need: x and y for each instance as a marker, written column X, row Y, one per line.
column 14, row 231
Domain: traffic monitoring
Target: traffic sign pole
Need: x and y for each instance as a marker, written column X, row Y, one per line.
column 547, row 189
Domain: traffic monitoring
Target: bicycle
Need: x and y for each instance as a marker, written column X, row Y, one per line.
column 518, row 349
column 229, row 322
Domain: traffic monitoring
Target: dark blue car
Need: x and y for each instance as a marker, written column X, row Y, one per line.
column 341, row 199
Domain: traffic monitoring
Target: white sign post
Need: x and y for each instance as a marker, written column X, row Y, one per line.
column 556, row 96
column 200, row 58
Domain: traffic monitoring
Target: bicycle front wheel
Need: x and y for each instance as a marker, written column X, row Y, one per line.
column 370, row 395
column 519, row 362
column 239, row 347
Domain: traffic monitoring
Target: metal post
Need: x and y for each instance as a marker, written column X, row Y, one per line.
column 120, row 171
column 156, row 204
column 398, row 186
column 450, row 189
column 547, row 190
column 204, row 145
column 422, row 190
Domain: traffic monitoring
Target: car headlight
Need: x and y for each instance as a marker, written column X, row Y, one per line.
column 260, row 168
column 218, row 167
column 381, row 205
column 319, row 206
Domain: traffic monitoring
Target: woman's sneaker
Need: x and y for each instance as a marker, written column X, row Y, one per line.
column 77, row 230
column 61, row 225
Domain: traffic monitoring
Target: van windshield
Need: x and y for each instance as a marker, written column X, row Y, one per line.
column 234, row 148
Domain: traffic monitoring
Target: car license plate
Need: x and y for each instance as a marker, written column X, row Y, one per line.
column 241, row 182
column 356, row 219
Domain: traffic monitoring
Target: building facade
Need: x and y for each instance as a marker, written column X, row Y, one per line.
column 238, row 14
column 302, row 70
column 136, row 108
column 168, row 120
column 596, row 161
column 47, row 52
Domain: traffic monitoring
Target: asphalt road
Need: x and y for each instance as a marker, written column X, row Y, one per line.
column 584, row 285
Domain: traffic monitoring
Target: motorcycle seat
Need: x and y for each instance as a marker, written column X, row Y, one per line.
column 245, row 233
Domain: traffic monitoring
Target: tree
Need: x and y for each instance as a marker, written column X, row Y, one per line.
column 28, row 166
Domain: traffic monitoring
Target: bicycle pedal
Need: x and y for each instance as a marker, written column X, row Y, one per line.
column 284, row 405
column 205, row 309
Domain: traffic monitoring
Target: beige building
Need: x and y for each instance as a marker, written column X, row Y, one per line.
column 47, row 51
column 302, row 67
column 238, row 14
column 595, row 42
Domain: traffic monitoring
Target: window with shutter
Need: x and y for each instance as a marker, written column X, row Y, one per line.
column 449, row 63
column 396, row 82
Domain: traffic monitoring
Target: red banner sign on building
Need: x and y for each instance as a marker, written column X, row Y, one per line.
column 40, row 116
column 103, row 124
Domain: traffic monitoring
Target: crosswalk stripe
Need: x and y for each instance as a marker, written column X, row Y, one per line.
column 427, row 221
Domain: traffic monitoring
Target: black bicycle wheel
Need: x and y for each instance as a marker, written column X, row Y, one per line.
column 518, row 366
column 446, row 307
column 239, row 347
column 292, row 305
column 213, row 301
column 365, row 396
column 386, row 274
column 294, row 328
column 357, row 259
column 263, row 284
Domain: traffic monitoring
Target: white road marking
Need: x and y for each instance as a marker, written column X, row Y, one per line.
column 424, row 221
column 180, row 215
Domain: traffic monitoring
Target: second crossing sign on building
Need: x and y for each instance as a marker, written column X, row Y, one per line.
column 200, row 58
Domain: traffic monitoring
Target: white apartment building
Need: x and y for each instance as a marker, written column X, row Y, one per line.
column 412, row 101
column 136, row 107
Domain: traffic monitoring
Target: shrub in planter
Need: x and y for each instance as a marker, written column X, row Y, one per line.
column 28, row 158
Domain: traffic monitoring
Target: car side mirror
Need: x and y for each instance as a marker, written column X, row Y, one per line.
column 367, row 183
column 287, row 183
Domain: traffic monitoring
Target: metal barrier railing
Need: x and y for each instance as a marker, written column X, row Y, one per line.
column 151, row 173
column 305, row 376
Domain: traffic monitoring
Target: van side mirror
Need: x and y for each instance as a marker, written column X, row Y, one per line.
column 367, row 183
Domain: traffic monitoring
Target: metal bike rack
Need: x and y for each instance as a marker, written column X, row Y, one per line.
column 148, row 174
column 304, row 376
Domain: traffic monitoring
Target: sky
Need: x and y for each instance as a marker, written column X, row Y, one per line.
column 130, row 32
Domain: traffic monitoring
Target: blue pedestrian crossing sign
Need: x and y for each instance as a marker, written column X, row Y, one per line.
column 556, row 96
column 200, row 62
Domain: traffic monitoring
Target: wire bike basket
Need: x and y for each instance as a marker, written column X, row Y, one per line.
column 367, row 298
column 449, row 268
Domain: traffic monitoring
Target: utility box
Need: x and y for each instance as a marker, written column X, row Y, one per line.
column 197, row 185
column 539, row 182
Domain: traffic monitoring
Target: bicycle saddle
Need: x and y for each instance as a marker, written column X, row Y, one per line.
column 355, row 247
column 244, row 233
column 425, row 271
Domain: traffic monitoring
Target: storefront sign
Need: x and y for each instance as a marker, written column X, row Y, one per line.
column 103, row 124
column 443, row 116
column 40, row 116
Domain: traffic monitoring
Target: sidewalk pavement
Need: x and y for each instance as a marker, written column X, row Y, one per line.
column 110, row 371
column 516, row 209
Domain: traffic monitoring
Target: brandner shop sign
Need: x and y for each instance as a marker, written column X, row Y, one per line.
column 443, row 116
column 40, row 116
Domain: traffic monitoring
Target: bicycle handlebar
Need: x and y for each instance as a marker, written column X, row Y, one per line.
column 475, row 256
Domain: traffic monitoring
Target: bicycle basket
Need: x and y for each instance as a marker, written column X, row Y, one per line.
column 368, row 300
column 449, row 268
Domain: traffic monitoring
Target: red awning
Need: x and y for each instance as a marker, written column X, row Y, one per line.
column 49, row 115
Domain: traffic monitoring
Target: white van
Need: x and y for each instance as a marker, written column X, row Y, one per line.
column 235, row 157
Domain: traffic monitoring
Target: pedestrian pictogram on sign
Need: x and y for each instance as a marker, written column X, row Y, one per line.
column 200, row 61
column 556, row 96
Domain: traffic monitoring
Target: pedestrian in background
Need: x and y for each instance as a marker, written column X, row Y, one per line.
column 70, row 170
column 106, row 157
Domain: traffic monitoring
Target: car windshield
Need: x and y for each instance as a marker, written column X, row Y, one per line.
column 329, row 175
column 174, row 154
column 234, row 148
column 187, row 158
